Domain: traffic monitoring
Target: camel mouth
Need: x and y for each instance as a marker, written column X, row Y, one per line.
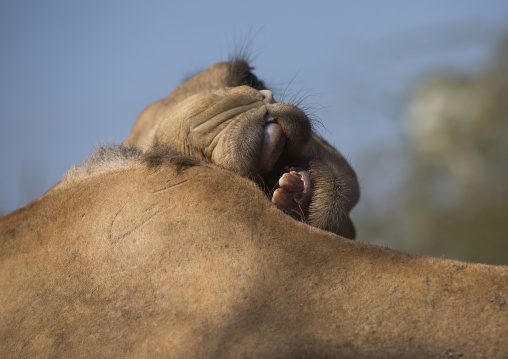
column 294, row 192
column 291, row 184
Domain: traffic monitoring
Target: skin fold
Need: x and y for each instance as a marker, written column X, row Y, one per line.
column 173, row 246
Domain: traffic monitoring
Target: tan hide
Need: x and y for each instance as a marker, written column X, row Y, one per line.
column 143, row 261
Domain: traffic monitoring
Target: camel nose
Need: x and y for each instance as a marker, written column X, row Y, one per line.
column 268, row 96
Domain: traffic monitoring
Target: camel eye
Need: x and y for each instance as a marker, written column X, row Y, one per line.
column 252, row 81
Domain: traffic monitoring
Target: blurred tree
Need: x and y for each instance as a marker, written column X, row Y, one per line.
column 454, row 199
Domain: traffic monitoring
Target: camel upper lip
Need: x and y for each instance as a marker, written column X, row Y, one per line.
column 273, row 145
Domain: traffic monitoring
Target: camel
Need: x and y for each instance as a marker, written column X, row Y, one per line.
column 158, row 252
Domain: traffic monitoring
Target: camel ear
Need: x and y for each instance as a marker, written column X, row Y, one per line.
column 218, row 76
column 213, row 78
column 240, row 74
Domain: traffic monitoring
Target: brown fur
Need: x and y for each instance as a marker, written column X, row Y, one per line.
column 218, row 116
column 134, row 255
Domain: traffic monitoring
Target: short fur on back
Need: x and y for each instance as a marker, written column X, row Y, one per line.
column 140, row 257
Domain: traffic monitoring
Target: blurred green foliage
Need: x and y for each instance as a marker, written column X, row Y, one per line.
column 453, row 200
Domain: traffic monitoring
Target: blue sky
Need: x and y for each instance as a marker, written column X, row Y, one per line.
column 76, row 74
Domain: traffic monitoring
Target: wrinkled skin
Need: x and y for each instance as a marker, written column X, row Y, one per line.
column 226, row 116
